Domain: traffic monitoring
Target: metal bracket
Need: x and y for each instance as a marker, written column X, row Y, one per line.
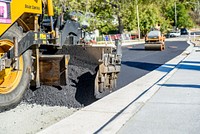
column 16, row 57
column 2, row 64
column 5, row 63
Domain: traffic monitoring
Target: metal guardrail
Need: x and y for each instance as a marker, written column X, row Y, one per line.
column 110, row 39
column 195, row 39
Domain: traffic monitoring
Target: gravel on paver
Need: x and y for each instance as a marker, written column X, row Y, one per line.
column 79, row 90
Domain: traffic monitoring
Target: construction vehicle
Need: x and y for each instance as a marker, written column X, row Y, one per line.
column 32, row 54
column 154, row 40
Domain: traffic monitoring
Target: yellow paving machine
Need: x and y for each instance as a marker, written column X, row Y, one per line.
column 32, row 53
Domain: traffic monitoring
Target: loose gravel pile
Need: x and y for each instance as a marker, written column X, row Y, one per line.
column 77, row 93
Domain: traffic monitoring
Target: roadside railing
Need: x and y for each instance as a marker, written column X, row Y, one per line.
column 195, row 39
column 110, row 39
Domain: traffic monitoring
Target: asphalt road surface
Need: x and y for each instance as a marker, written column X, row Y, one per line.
column 33, row 117
column 136, row 62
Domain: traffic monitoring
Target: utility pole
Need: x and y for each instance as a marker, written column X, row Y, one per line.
column 198, row 8
column 138, row 19
column 175, row 15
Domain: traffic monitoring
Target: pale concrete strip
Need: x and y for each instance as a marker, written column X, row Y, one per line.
column 123, row 44
column 174, row 109
column 164, row 118
column 113, row 127
column 111, row 112
column 133, row 42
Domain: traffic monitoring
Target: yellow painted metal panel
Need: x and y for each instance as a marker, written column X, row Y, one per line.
column 17, row 8
column 50, row 8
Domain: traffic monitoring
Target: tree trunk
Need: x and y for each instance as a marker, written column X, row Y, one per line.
column 120, row 25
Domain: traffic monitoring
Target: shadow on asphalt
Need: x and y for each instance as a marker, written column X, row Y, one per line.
column 137, row 49
column 142, row 65
column 142, row 49
column 85, row 89
column 160, row 67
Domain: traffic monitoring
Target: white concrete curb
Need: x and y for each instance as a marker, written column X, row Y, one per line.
column 110, row 113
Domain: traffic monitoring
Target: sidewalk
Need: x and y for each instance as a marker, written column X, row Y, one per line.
column 174, row 107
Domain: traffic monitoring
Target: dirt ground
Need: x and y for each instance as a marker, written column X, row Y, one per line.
column 31, row 118
column 47, row 105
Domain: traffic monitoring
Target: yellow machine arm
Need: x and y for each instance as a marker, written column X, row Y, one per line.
column 12, row 10
column 35, row 49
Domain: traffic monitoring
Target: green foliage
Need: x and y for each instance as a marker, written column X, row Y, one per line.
column 120, row 15
column 183, row 18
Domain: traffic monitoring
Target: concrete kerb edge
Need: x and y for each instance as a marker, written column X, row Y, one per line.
column 116, row 125
column 167, row 76
column 132, row 43
column 146, row 97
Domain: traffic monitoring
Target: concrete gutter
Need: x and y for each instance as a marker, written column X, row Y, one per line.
column 124, row 43
column 110, row 113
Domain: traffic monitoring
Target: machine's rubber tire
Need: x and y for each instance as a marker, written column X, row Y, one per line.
column 12, row 98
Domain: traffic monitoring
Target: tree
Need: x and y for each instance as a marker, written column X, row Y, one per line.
column 120, row 15
column 183, row 18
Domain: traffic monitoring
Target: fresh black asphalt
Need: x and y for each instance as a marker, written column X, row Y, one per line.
column 136, row 61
